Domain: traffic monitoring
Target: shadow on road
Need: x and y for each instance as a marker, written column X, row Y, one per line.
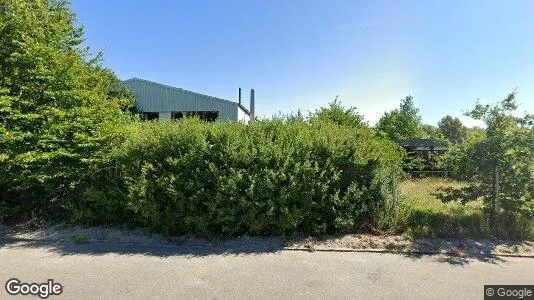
column 68, row 248
column 159, row 250
column 458, row 260
column 462, row 252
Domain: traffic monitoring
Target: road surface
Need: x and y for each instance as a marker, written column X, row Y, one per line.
column 127, row 271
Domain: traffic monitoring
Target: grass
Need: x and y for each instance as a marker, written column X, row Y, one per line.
column 431, row 207
column 426, row 187
column 425, row 195
column 422, row 213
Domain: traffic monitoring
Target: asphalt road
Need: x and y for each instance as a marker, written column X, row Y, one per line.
column 125, row 271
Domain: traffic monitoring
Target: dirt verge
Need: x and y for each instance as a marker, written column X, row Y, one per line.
column 351, row 242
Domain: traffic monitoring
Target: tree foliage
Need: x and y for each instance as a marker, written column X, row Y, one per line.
column 338, row 114
column 452, row 129
column 431, row 131
column 474, row 133
column 291, row 117
column 402, row 123
column 507, row 145
column 57, row 105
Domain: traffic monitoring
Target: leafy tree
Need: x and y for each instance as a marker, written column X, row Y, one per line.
column 431, row 131
column 58, row 106
column 506, row 145
column 407, row 106
column 338, row 114
column 452, row 129
column 474, row 133
column 402, row 123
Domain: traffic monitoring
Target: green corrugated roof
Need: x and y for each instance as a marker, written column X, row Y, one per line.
column 156, row 97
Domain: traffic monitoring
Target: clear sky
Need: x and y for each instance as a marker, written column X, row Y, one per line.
column 302, row 53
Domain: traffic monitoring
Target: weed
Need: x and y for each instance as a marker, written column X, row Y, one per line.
column 310, row 246
column 80, row 239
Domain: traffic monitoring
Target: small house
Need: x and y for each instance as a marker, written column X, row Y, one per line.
column 423, row 146
column 422, row 157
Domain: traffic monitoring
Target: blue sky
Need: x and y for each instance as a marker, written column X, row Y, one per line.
column 301, row 54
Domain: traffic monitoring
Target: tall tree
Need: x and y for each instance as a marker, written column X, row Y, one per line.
column 452, row 129
column 57, row 105
column 402, row 123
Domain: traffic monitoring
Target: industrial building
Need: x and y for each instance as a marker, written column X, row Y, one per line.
column 157, row 101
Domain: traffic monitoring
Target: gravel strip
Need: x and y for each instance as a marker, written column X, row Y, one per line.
column 351, row 242
column 458, row 247
column 83, row 235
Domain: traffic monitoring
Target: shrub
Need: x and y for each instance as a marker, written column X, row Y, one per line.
column 270, row 177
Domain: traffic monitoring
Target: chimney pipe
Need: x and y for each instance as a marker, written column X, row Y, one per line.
column 252, row 100
column 239, row 95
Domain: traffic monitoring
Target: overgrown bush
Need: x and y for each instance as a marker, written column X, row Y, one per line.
column 267, row 178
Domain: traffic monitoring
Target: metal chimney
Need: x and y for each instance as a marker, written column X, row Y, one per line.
column 252, row 105
column 239, row 95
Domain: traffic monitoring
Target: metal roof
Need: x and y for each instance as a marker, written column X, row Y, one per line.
column 156, row 97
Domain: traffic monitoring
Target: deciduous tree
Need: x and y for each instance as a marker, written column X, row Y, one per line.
column 507, row 145
column 58, row 106
column 402, row 123
column 453, row 129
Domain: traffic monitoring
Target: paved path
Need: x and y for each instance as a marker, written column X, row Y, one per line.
column 125, row 271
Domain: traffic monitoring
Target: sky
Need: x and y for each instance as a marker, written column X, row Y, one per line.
column 301, row 54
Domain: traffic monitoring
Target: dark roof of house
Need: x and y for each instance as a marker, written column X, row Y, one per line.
column 418, row 143
column 421, row 144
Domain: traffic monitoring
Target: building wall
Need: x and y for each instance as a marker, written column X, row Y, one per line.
column 242, row 116
column 155, row 97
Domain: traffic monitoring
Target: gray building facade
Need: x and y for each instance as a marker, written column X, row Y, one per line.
column 163, row 102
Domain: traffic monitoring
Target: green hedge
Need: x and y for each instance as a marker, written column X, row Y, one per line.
column 191, row 177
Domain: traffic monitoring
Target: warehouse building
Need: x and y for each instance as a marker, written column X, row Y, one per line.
column 157, row 101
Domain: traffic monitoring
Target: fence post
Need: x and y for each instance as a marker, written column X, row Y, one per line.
column 496, row 204
column 394, row 190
